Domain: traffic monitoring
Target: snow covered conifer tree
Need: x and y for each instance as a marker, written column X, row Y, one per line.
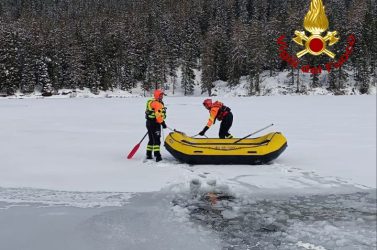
column 238, row 53
column 43, row 78
column 10, row 68
column 208, row 70
column 189, row 49
column 188, row 64
column 257, row 56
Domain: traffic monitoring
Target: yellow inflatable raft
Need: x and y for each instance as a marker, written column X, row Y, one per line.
column 259, row 150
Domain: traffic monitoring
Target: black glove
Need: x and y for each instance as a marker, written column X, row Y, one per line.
column 204, row 131
column 163, row 124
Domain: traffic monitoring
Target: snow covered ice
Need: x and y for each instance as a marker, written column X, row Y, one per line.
column 62, row 157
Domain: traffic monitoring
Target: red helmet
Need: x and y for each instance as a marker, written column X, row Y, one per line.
column 158, row 94
column 207, row 103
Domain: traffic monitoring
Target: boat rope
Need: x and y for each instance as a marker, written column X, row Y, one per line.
column 264, row 143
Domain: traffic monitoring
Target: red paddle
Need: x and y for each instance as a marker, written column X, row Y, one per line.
column 136, row 148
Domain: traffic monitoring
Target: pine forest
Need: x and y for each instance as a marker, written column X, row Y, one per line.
column 49, row 45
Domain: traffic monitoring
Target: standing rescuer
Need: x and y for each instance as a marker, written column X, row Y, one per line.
column 219, row 111
column 155, row 114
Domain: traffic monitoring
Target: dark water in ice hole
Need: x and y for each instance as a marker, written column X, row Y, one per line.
column 341, row 221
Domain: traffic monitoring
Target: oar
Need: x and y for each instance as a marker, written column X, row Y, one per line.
column 255, row 132
column 137, row 146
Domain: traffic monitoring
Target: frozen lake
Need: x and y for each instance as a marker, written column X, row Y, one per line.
column 65, row 182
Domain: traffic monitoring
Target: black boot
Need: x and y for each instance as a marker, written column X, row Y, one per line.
column 158, row 157
column 149, row 155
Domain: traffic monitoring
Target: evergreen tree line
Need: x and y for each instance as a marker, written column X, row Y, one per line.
column 48, row 45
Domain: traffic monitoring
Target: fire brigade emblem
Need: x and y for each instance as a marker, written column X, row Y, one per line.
column 316, row 23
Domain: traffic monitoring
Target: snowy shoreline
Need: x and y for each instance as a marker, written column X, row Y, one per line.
column 141, row 94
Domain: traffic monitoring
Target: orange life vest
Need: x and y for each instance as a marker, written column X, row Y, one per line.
column 155, row 110
column 218, row 111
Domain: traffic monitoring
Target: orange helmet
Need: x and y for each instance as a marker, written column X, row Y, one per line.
column 158, row 94
column 207, row 103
